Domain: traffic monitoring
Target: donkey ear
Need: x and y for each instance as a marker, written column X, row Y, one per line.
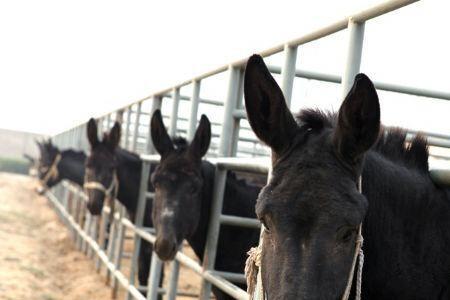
column 39, row 144
column 160, row 138
column 267, row 112
column 113, row 139
column 202, row 138
column 359, row 120
column 92, row 133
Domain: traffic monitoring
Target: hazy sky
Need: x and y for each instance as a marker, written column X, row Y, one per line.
column 64, row 61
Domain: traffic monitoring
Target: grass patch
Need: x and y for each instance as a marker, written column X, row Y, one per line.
column 14, row 165
column 47, row 297
column 39, row 274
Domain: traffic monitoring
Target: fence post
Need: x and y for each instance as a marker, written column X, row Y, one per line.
column 126, row 136
column 237, row 121
column 136, row 127
column 228, row 126
column 209, row 257
column 194, row 109
column 108, row 123
column 154, row 277
column 354, row 54
column 174, row 114
column 288, row 72
column 117, row 249
column 119, row 116
column 139, row 220
column 173, row 281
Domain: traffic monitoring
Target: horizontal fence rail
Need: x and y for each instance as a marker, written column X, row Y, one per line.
column 233, row 143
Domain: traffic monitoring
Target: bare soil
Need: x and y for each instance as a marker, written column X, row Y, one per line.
column 38, row 259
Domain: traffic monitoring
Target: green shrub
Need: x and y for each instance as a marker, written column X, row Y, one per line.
column 14, row 165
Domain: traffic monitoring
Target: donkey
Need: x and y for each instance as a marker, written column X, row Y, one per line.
column 55, row 165
column 108, row 163
column 183, row 196
column 312, row 208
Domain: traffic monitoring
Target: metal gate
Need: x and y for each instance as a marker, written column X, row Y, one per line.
column 232, row 144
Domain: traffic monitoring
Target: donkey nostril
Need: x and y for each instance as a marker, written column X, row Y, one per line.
column 165, row 248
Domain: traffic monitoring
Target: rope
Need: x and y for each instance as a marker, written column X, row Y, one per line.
column 253, row 267
column 252, row 270
column 95, row 185
column 52, row 171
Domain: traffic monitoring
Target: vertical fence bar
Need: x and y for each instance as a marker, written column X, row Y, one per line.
column 100, row 125
column 354, row 54
column 237, row 121
column 288, row 72
column 194, row 109
column 108, row 123
column 228, row 118
column 136, row 126
column 139, row 220
column 154, row 278
column 119, row 116
column 174, row 114
column 173, row 281
column 127, row 128
column 156, row 104
column 104, row 222
column 118, row 253
column 212, row 239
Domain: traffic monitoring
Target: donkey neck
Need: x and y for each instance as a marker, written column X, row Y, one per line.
column 406, row 232
column 129, row 167
column 71, row 166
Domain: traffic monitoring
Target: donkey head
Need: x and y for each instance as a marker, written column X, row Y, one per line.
column 178, row 185
column 311, row 208
column 47, row 163
column 101, row 165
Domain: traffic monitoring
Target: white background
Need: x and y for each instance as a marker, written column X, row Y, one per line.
column 62, row 62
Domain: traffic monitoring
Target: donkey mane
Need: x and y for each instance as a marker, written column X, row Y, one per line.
column 180, row 143
column 128, row 155
column 76, row 154
column 392, row 143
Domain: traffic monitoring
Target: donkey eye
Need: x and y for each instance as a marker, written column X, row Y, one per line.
column 264, row 223
column 345, row 234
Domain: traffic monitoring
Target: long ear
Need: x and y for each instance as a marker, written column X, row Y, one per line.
column 359, row 120
column 39, row 144
column 113, row 138
column 92, row 133
column 267, row 112
column 202, row 138
column 161, row 140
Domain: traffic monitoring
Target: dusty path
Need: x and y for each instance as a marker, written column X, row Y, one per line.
column 37, row 258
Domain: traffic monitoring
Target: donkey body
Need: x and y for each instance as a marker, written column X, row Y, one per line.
column 312, row 208
column 105, row 160
column 70, row 165
column 184, row 192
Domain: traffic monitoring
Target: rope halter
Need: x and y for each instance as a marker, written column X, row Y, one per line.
column 110, row 192
column 52, row 171
column 253, row 267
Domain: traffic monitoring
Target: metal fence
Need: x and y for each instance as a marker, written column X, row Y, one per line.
column 232, row 139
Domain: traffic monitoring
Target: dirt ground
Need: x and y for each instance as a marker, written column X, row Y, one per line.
column 38, row 259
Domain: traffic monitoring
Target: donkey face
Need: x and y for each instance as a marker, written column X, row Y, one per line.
column 178, row 185
column 311, row 207
column 100, row 164
column 48, row 154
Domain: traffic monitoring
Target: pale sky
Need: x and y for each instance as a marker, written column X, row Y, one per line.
column 62, row 62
